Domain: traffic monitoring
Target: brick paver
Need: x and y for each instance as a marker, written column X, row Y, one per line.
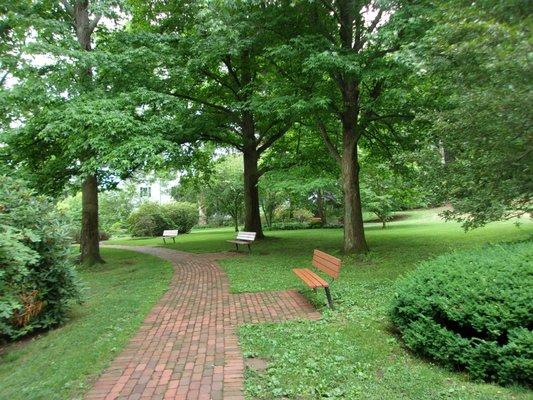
column 187, row 347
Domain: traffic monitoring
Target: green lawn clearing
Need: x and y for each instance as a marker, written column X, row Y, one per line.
column 63, row 363
column 352, row 353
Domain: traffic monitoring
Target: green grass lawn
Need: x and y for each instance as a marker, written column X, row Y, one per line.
column 63, row 363
column 352, row 353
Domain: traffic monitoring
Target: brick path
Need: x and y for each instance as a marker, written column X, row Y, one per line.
column 187, row 347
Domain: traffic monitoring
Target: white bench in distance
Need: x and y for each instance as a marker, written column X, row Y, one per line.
column 245, row 238
column 171, row 233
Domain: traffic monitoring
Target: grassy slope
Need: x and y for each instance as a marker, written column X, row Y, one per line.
column 351, row 353
column 62, row 363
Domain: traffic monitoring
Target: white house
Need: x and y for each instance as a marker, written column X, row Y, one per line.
column 155, row 190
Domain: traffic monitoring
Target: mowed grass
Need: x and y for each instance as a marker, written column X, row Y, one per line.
column 63, row 363
column 353, row 352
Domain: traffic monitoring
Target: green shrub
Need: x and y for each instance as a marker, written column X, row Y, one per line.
column 37, row 278
column 472, row 310
column 292, row 226
column 151, row 219
column 182, row 216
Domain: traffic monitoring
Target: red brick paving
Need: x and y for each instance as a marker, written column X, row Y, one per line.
column 187, row 347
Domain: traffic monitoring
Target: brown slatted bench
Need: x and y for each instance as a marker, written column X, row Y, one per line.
column 325, row 263
column 245, row 238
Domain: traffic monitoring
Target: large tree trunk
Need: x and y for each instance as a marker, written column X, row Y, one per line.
column 202, row 213
column 90, row 238
column 252, row 216
column 354, row 231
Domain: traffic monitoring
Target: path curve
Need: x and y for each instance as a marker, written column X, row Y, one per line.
column 187, row 347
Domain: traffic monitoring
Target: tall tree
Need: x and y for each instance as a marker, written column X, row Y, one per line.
column 77, row 122
column 84, row 27
column 478, row 60
column 215, row 62
column 341, row 61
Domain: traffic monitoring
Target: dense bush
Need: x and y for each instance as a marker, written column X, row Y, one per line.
column 182, row 216
column 37, row 279
column 472, row 310
column 151, row 219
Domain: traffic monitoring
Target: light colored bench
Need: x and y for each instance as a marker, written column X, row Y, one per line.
column 244, row 238
column 325, row 263
column 171, row 233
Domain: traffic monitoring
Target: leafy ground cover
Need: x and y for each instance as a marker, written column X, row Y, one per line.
column 62, row 363
column 352, row 352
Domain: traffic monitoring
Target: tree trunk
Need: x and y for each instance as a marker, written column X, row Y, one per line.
column 236, row 223
column 202, row 214
column 321, row 212
column 266, row 212
column 354, row 232
column 90, row 238
column 252, row 216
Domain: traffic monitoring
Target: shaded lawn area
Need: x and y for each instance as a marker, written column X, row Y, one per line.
column 63, row 363
column 352, row 353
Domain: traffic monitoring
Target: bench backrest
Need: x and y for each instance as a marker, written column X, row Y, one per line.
column 170, row 232
column 326, row 263
column 248, row 236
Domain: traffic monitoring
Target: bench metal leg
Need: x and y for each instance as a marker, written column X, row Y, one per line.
column 237, row 246
column 164, row 241
column 328, row 295
column 249, row 249
column 174, row 239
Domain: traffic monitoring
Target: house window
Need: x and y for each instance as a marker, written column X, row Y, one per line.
column 145, row 192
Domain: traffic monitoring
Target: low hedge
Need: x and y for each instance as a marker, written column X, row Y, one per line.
column 151, row 219
column 472, row 310
column 292, row 226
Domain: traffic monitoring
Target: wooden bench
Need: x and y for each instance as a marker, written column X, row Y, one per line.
column 171, row 233
column 325, row 263
column 244, row 238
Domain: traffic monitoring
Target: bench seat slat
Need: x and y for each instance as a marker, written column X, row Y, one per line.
column 246, row 236
column 310, row 278
column 239, row 241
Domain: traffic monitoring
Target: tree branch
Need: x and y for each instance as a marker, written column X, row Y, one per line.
column 68, row 7
column 375, row 21
column 219, row 139
column 203, row 102
column 381, row 53
column 4, row 78
column 220, row 81
column 94, row 22
column 329, row 144
column 231, row 70
column 382, row 144
column 270, row 141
